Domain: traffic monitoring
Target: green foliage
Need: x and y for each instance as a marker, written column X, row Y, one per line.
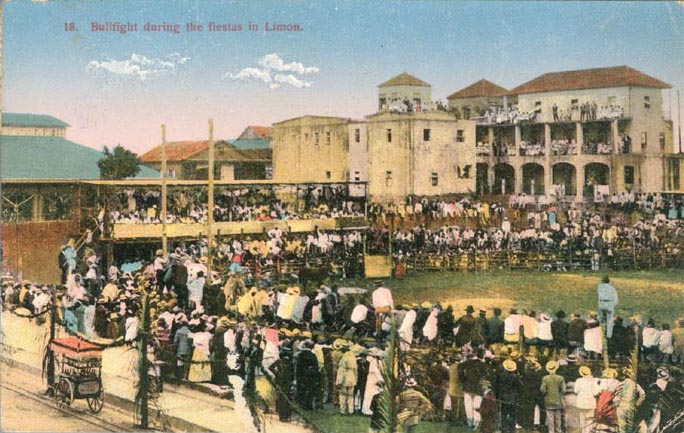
column 119, row 163
column 388, row 405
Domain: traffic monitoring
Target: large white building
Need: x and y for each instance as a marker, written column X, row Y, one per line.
column 569, row 133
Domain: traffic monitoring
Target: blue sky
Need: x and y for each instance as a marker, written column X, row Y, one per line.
column 115, row 88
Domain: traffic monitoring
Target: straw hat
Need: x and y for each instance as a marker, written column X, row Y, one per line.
column 551, row 366
column 340, row 343
column 609, row 373
column 510, row 365
column 585, row 371
column 426, row 305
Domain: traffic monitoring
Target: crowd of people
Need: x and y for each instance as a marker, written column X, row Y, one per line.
column 528, row 148
column 325, row 348
column 244, row 204
column 257, row 315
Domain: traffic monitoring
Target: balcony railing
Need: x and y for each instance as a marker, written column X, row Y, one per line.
column 532, row 149
column 597, row 149
column 563, row 147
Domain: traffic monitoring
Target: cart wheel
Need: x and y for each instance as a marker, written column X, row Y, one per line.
column 95, row 403
column 64, row 393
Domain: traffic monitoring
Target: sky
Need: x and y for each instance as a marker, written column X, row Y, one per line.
column 115, row 88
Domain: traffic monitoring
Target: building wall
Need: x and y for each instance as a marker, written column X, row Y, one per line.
column 174, row 168
column 311, row 149
column 358, row 151
column 399, row 93
column 34, row 131
column 32, row 248
column 413, row 164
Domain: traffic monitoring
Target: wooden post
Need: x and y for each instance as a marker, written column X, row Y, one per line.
column 210, row 200
column 165, row 246
column 50, row 373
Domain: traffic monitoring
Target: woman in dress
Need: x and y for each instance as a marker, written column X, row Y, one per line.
column 200, row 366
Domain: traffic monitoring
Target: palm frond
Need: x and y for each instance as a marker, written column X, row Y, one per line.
column 388, row 406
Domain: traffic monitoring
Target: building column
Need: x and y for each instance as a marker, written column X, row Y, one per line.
column 615, row 135
column 518, row 139
column 37, row 205
column 579, row 132
column 518, row 178
column 579, row 194
column 490, row 177
column 548, row 178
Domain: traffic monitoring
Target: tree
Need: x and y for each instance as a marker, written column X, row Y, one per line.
column 119, row 163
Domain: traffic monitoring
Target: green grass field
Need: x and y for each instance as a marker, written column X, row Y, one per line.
column 650, row 294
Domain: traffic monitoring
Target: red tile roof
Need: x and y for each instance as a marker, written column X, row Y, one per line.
column 253, row 131
column 175, row 151
column 480, row 88
column 617, row 76
column 404, row 80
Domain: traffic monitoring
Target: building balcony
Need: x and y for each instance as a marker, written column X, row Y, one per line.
column 532, row 149
column 505, row 117
column 196, row 230
column 597, row 149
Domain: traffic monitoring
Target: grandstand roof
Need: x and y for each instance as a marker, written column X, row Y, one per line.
column 29, row 119
column 404, row 79
column 616, row 76
column 37, row 157
column 480, row 88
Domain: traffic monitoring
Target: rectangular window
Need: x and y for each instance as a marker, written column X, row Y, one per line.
column 357, row 176
column 328, row 175
column 644, row 140
column 426, row 135
column 388, row 178
column 434, row 179
column 269, row 172
column 647, row 102
column 662, row 141
column 357, row 135
column 389, row 135
column 327, row 137
column 574, row 103
column 629, row 175
column 306, row 137
column 675, row 175
column 316, row 138
column 460, row 136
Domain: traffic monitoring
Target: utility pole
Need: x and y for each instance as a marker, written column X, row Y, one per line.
column 210, row 201
column 679, row 121
column 165, row 246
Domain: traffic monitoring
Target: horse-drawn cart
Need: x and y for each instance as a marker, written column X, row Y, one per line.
column 78, row 365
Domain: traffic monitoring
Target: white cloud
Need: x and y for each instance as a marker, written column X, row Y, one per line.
column 139, row 66
column 275, row 63
column 250, row 73
column 269, row 71
column 292, row 81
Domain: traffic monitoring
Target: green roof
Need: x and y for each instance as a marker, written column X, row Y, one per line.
column 37, row 120
column 251, row 143
column 32, row 157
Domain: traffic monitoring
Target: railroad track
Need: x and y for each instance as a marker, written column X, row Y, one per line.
column 101, row 424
